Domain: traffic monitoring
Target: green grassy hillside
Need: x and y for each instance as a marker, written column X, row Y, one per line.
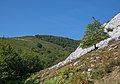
column 67, row 43
column 47, row 49
column 21, row 56
column 97, row 67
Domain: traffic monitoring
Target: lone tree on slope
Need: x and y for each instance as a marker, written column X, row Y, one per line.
column 94, row 33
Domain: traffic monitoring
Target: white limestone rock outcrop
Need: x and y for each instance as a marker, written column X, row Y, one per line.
column 114, row 35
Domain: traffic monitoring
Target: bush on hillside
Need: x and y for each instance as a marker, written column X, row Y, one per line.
column 97, row 73
column 39, row 45
column 113, row 63
column 109, row 29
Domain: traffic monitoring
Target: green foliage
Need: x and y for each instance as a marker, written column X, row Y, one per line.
column 97, row 73
column 113, row 63
column 31, row 80
column 108, row 68
column 109, row 29
column 39, row 45
column 15, row 65
column 92, row 27
column 20, row 57
column 94, row 33
column 56, row 80
column 68, row 78
column 65, row 73
column 119, row 82
column 68, row 44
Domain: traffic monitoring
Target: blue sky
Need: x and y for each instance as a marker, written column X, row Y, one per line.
column 67, row 18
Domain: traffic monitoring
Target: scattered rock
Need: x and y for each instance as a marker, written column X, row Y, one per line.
column 89, row 70
column 97, row 57
column 109, row 49
column 75, row 64
column 92, row 65
column 83, row 72
column 115, row 47
column 81, row 65
column 92, row 61
column 91, row 58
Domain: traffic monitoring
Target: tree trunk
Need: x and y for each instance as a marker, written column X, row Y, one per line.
column 95, row 46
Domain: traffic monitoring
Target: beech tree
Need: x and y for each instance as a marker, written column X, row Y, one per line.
column 94, row 33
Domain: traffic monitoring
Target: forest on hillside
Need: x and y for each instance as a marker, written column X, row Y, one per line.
column 22, row 56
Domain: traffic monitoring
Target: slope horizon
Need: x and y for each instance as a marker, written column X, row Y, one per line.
column 37, row 34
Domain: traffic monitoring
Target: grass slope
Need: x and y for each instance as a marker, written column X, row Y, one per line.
column 97, row 67
column 29, row 44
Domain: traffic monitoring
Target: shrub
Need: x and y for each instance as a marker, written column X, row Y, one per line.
column 39, row 45
column 108, row 68
column 119, row 82
column 55, row 80
column 65, row 73
column 97, row 73
column 109, row 29
column 113, row 63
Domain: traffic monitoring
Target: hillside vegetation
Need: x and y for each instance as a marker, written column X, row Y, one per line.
column 21, row 56
column 94, row 66
column 68, row 44
column 97, row 67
